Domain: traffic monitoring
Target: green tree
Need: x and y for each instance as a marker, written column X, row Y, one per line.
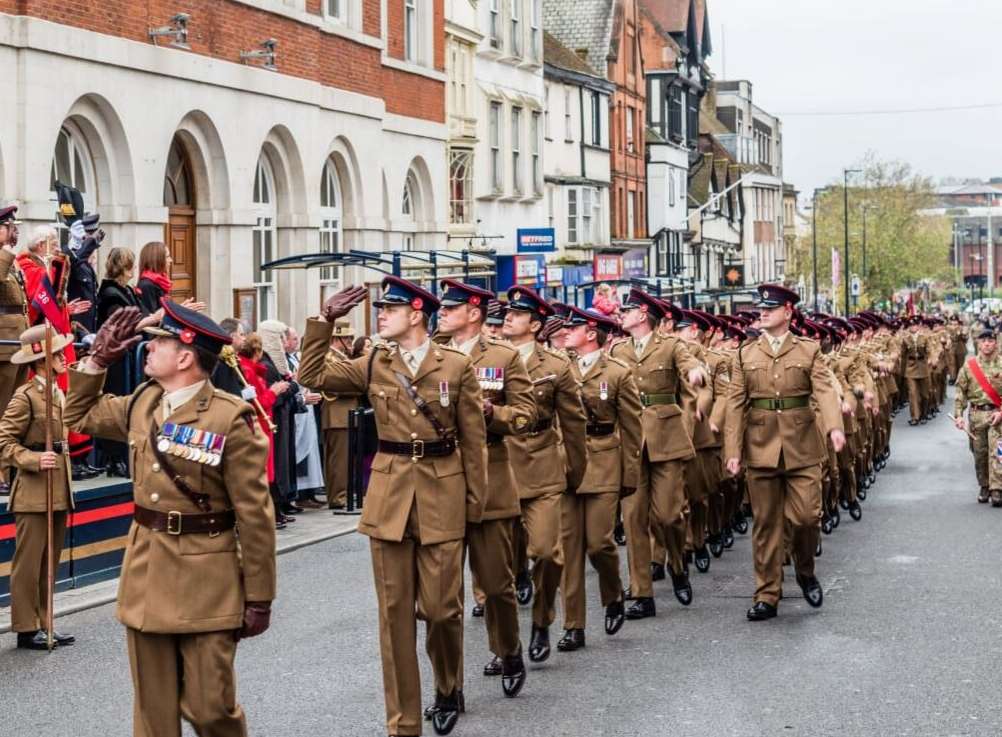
column 903, row 244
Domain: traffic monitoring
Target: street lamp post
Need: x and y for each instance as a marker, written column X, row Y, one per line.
column 814, row 247
column 845, row 192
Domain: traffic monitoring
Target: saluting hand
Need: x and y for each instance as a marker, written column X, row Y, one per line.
column 116, row 337
column 341, row 303
column 552, row 326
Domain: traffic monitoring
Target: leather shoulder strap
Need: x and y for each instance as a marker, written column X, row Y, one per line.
column 423, row 408
column 200, row 500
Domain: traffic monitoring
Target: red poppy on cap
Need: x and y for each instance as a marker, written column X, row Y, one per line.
column 592, row 324
column 475, row 300
column 417, row 303
column 187, row 336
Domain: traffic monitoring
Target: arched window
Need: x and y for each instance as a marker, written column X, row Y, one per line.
column 178, row 189
column 72, row 165
column 265, row 237
column 409, row 208
column 330, row 227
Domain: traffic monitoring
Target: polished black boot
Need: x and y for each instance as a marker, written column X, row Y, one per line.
column 539, row 644
column 681, row 586
column 811, row 587
column 429, row 711
column 446, row 714
column 32, row 641
column 761, row 612
column 702, row 556
column 523, row 587
column 571, row 641
column 493, row 667
column 478, row 610
column 740, row 524
column 715, row 543
column 727, row 535
column 641, row 608
column 657, row 572
column 855, row 511
column 614, row 617
column 61, row 639
column 512, row 675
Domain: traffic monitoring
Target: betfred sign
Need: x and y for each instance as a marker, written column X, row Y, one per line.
column 608, row 266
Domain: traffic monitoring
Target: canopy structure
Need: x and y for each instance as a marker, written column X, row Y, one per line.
column 419, row 266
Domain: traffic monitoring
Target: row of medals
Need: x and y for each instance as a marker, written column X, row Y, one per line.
column 188, row 452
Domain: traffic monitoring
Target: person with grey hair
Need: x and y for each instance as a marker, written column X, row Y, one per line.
column 287, row 405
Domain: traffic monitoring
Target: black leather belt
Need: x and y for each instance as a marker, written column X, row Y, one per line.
column 12, row 310
column 600, row 429
column 175, row 523
column 419, row 448
column 57, row 447
column 541, row 426
column 984, row 407
column 494, row 439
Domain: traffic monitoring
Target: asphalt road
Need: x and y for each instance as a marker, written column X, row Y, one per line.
column 906, row 644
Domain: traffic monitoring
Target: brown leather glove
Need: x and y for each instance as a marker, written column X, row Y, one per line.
column 257, row 617
column 341, row 303
column 116, row 337
column 552, row 325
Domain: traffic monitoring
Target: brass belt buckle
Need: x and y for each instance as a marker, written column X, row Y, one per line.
column 173, row 523
column 417, row 449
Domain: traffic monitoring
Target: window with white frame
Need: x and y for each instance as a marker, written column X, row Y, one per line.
column 537, row 33
column 586, row 214
column 330, row 228
column 410, row 30
column 497, row 180
column 546, row 112
column 537, row 166
column 516, row 150
column 408, row 208
column 336, row 10
column 629, row 128
column 265, row 237
column 495, row 24
column 572, row 216
column 671, row 188
column 516, row 27
column 460, row 186
column 568, row 129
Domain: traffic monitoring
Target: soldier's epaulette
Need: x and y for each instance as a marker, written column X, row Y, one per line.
column 450, row 349
column 231, row 399
column 619, row 362
column 556, row 354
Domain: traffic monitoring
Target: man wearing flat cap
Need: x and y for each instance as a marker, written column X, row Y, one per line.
column 979, row 384
column 13, row 311
column 659, row 365
column 427, row 488
column 199, row 567
column 770, row 429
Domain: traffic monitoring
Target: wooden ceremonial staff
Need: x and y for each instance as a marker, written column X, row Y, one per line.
column 969, row 433
column 50, row 573
column 229, row 357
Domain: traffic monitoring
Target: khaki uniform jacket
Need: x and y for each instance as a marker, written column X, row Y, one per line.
column 716, row 390
column 555, row 459
column 613, row 460
column 761, row 436
column 11, row 295
column 915, row 354
column 448, row 491
column 969, row 391
column 514, row 414
column 22, row 427
column 667, row 431
column 335, row 407
column 196, row 582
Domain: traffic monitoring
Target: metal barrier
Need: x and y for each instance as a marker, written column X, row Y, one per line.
column 362, row 445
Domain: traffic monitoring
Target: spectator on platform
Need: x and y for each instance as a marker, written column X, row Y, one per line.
column 154, row 275
column 287, row 404
column 86, row 236
column 606, row 300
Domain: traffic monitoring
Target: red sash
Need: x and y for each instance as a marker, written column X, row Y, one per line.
column 986, row 387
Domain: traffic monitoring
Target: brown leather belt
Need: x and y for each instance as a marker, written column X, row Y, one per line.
column 419, row 448
column 12, row 310
column 175, row 523
column 541, row 426
column 600, row 429
column 984, row 407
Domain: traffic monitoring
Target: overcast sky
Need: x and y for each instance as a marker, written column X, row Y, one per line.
column 857, row 55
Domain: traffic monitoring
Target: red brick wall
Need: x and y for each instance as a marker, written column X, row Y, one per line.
column 628, row 169
column 223, row 28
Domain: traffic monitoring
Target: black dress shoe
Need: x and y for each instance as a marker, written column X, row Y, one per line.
column 619, row 534
column 478, row 610
column 913, row 422
column 61, row 639
column 512, row 675
column 429, row 711
column 715, row 543
column 818, row 550
column 702, row 556
column 727, row 535
column 571, row 641
column 836, row 518
column 826, row 524
column 280, row 524
column 523, row 588
column 740, row 524
column 855, row 511
column 289, row 509
column 861, row 492
column 32, row 640
column 641, row 608
column 615, row 616
column 657, row 572
column 761, row 612
column 82, row 472
column 493, row 668
column 539, row 644
column 682, row 588
column 811, row 587
column 446, row 713
column 118, row 469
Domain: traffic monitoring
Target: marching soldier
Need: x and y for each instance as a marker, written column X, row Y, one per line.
column 13, row 313
column 979, row 380
column 508, row 410
column 770, row 427
column 659, row 506
column 915, row 354
column 550, row 460
column 428, row 485
column 22, row 445
column 612, row 406
column 334, row 423
column 199, row 568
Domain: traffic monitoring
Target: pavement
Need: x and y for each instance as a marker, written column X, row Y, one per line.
column 906, row 643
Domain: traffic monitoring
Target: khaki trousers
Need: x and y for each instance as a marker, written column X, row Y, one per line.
column 415, row 581
column 29, row 569
column 336, row 467
column 659, row 508
column 979, row 424
column 587, row 524
column 781, row 497
column 491, row 546
column 702, row 476
column 184, row 675
column 543, row 545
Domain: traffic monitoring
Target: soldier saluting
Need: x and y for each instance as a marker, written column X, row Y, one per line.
column 770, row 425
column 428, row 483
column 199, row 568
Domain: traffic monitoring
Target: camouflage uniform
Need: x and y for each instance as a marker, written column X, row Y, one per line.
column 984, row 438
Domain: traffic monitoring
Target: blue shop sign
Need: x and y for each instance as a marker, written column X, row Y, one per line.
column 635, row 263
column 535, row 240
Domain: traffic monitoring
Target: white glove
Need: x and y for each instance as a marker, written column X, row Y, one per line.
column 248, row 393
column 77, row 234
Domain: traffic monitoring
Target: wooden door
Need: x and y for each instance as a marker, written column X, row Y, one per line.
column 181, row 241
